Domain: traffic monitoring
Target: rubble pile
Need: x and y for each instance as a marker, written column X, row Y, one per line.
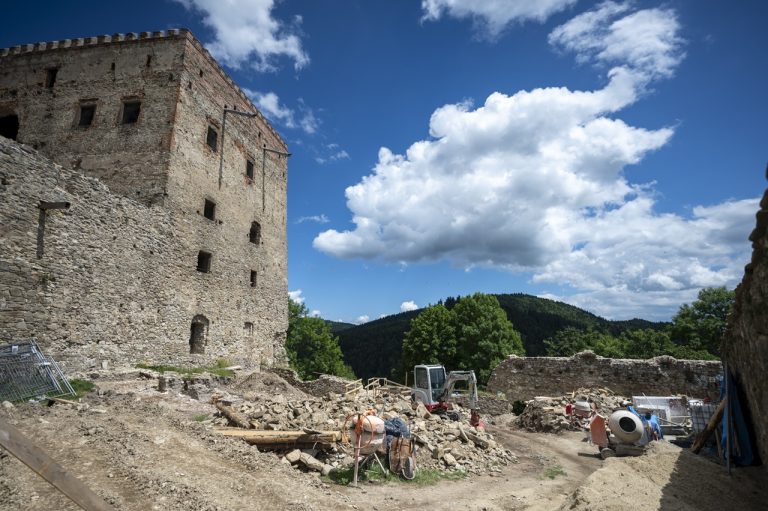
column 440, row 442
column 548, row 414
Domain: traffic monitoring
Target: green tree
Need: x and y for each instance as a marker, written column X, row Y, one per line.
column 310, row 347
column 646, row 343
column 431, row 339
column 484, row 335
column 571, row 340
column 700, row 325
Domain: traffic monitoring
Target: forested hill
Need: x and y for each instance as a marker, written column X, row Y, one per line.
column 375, row 348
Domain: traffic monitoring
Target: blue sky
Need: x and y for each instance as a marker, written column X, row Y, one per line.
column 610, row 155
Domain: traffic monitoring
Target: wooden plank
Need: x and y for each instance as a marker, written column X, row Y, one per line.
column 36, row 459
column 259, row 437
column 234, row 416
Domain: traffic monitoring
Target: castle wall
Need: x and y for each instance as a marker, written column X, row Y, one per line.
column 132, row 158
column 522, row 378
column 745, row 344
column 120, row 277
column 108, row 284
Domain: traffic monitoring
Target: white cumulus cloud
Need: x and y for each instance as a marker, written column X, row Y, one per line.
column 647, row 41
column 314, row 314
column 269, row 103
column 536, row 181
column 492, row 16
column 320, row 219
column 410, row 305
column 362, row 319
column 246, row 32
column 295, row 296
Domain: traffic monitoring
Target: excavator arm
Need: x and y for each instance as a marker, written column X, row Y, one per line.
column 469, row 377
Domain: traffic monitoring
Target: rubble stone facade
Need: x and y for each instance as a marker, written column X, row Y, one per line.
column 523, row 378
column 162, row 255
column 745, row 345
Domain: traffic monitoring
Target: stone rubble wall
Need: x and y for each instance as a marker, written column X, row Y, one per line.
column 523, row 378
column 107, row 286
column 745, row 344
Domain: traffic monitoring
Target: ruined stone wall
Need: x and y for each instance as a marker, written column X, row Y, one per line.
column 131, row 159
column 745, row 345
column 522, row 378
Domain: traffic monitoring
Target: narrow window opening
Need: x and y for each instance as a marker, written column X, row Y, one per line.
column 198, row 334
column 9, row 126
column 149, row 60
column 86, row 115
column 248, row 328
column 201, row 73
column 50, row 77
column 249, row 169
column 255, row 233
column 203, row 261
column 131, row 111
column 212, row 138
column 112, row 67
column 253, row 278
column 209, row 211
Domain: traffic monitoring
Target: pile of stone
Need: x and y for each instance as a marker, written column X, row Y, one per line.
column 548, row 414
column 440, row 442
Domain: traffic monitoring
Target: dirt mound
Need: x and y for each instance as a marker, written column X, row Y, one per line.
column 669, row 478
column 265, row 384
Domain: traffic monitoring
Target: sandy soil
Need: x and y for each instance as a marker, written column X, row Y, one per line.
column 140, row 449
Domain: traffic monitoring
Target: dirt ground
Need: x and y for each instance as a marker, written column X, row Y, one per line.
column 140, row 449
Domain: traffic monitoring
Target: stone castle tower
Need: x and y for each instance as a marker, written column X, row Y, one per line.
column 144, row 218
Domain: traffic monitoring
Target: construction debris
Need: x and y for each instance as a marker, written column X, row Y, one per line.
column 316, row 426
column 548, row 414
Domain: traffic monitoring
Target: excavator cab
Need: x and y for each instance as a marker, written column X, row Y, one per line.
column 429, row 384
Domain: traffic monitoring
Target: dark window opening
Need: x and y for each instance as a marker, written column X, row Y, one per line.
column 149, row 60
column 248, row 328
column 112, row 67
column 255, row 234
column 131, row 110
column 86, row 115
column 198, row 334
column 212, row 138
column 249, row 169
column 204, row 261
column 50, row 77
column 201, row 73
column 253, row 278
column 209, row 211
column 9, row 126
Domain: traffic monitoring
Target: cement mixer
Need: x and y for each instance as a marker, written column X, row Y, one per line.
column 628, row 436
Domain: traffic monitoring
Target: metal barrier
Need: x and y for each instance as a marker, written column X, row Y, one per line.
column 26, row 372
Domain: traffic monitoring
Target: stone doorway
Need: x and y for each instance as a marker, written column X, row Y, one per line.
column 9, row 126
column 198, row 334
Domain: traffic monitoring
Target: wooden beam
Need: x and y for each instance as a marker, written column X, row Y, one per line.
column 267, row 438
column 36, row 459
column 710, row 427
column 234, row 416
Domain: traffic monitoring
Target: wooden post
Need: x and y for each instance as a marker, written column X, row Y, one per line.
column 36, row 459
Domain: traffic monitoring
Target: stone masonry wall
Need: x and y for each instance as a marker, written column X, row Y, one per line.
column 107, row 286
column 131, row 159
column 125, row 280
column 522, row 378
column 745, row 345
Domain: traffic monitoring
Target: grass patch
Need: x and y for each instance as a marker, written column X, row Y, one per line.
column 219, row 369
column 201, row 417
column 374, row 474
column 81, row 387
column 553, row 472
